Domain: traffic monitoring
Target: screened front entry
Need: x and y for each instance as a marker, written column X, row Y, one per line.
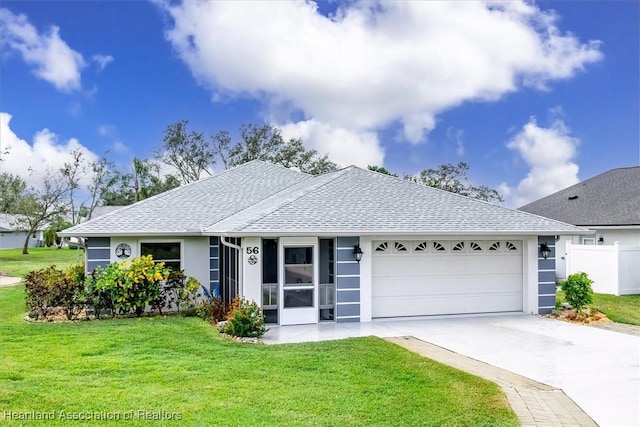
column 298, row 284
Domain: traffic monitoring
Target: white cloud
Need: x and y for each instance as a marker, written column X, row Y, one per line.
column 456, row 135
column 44, row 154
column 549, row 152
column 345, row 147
column 120, row 148
column 373, row 64
column 106, row 130
column 102, row 61
column 53, row 60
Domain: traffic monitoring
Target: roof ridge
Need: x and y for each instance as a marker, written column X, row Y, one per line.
column 296, row 194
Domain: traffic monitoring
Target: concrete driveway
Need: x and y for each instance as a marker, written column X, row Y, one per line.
column 598, row 369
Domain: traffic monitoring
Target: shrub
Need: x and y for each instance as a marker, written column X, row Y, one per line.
column 38, row 287
column 50, row 288
column 128, row 287
column 245, row 319
column 101, row 290
column 577, row 290
column 179, row 290
column 213, row 310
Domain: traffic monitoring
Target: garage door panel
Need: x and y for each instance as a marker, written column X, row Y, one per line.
column 418, row 284
column 439, row 265
column 410, row 286
column 445, row 304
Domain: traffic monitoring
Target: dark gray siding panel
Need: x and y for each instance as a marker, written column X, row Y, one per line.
column 98, row 242
column 346, row 255
column 546, row 276
column 547, row 301
column 546, row 264
column 348, row 241
column 348, row 269
column 348, row 296
column 91, row 265
column 348, row 282
column 214, row 266
column 546, row 289
column 98, row 253
column 348, row 310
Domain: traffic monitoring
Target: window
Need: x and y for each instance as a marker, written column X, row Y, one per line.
column 298, row 276
column 588, row 240
column 167, row 252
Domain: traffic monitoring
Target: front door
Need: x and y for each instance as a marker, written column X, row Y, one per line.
column 299, row 287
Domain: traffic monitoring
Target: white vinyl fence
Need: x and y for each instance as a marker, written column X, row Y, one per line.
column 614, row 269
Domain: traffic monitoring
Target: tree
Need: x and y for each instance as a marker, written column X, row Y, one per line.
column 454, row 179
column 97, row 177
column 381, row 170
column 51, row 234
column 188, row 152
column 45, row 204
column 266, row 143
column 144, row 181
column 11, row 189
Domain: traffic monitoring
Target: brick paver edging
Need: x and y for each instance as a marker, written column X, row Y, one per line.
column 534, row 403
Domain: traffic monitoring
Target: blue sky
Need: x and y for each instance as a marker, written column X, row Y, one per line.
column 534, row 96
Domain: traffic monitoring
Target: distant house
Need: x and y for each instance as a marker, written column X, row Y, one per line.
column 11, row 237
column 608, row 203
column 346, row 246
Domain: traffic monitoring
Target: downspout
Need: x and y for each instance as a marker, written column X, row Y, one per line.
column 223, row 240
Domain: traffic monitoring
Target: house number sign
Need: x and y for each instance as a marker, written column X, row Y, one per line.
column 253, row 252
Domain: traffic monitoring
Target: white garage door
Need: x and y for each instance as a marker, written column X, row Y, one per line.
column 420, row 278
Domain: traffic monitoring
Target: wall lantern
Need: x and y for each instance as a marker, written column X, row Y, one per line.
column 601, row 240
column 545, row 251
column 357, row 251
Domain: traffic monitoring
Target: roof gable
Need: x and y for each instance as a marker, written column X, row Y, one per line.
column 609, row 199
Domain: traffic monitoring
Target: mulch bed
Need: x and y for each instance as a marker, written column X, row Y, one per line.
column 588, row 316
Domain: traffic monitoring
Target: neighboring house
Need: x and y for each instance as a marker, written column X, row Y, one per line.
column 11, row 237
column 608, row 203
column 292, row 242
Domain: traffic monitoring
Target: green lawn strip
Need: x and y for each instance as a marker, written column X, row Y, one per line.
column 182, row 365
column 14, row 263
column 620, row 309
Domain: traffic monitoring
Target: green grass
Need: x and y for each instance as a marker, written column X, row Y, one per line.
column 183, row 366
column 13, row 263
column 620, row 309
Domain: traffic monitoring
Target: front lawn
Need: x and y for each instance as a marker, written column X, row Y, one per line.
column 181, row 367
column 13, row 263
column 622, row 309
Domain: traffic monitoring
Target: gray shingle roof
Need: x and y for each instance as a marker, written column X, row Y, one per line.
column 190, row 208
column 611, row 198
column 262, row 199
column 356, row 201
